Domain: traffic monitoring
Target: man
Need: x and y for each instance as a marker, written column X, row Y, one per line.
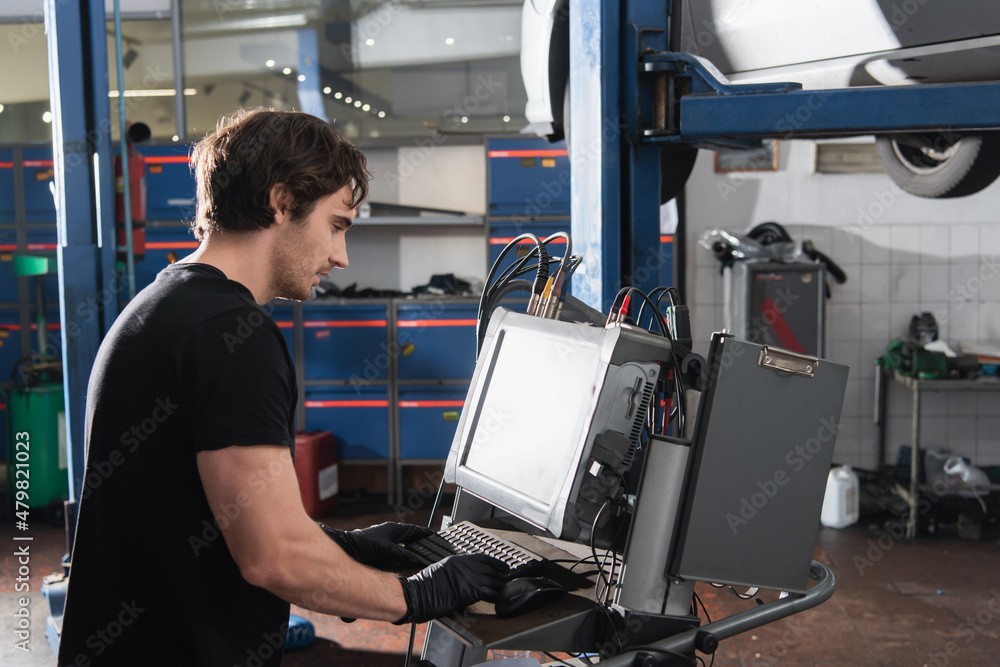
column 192, row 539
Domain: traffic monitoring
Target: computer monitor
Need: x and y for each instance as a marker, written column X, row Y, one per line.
column 553, row 418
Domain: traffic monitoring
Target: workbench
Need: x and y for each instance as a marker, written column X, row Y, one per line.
column 918, row 387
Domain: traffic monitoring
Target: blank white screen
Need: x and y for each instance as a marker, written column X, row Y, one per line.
column 532, row 412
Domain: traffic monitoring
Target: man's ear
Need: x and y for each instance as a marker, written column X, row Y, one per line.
column 281, row 201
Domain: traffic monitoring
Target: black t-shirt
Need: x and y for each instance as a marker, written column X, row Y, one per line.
column 192, row 364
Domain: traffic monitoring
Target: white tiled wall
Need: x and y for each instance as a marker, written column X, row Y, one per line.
column 903, row 255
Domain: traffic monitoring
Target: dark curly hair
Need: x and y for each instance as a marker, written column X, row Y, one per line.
column 253, row 150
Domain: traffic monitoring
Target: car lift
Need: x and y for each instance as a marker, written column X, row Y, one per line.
column 630, row 97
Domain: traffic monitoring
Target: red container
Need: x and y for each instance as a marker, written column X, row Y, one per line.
column 316, row 468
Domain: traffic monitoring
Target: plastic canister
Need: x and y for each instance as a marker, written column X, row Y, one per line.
column 840, row 504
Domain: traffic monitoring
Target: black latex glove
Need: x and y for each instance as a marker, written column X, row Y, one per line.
column 451, row 585
column 379, row 543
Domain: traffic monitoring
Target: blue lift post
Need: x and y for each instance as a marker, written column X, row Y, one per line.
column 78, row 71
column 615, row 217
column 594, row 146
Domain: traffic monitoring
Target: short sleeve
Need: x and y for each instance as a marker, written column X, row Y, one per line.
column 241, row 380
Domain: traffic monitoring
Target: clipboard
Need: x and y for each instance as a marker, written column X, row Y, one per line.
column 762, row 449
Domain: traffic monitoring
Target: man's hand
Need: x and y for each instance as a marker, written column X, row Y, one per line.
column 451, row 585
column 379, row 543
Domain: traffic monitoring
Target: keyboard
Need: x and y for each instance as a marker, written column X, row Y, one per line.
column 466, row 538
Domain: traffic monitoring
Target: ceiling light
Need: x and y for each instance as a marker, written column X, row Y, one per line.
column 302, row 77
column 366, row 107
column 47, row 117
column 327, row 90
column 449, row 41
column 152, row 92
column 348, row 100
column 269, row 62
column 465, row 119
column 1, row 108
column 337, row 95
column 506, row 119
column 381, row 114
column 286, row 71
column 175, row 138
column 357, row 103
column 369, row 42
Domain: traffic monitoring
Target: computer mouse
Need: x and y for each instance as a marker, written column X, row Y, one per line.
column 519, row 596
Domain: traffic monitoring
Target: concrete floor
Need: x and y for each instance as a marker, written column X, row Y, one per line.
column 931, row 601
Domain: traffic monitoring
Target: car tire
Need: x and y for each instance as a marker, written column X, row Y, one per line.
column 676, row 164
column 941, row 165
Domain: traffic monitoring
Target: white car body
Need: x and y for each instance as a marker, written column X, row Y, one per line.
column 816, row 43
column 821, row 45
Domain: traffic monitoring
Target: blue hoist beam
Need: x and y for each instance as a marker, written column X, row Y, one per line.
column 84, row 191
column 709, row 111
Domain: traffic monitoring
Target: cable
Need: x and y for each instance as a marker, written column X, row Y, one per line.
column 707, row 616
column 593, row 550
column 481, row 321
column 409, row 649
column 559, row 660
column 660, row 322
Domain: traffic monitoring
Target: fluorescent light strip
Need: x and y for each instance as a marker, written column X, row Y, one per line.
column 152, row 92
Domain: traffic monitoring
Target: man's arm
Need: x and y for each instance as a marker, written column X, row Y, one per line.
column 279, row 548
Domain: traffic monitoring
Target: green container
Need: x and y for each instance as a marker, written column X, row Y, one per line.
column 38, row 411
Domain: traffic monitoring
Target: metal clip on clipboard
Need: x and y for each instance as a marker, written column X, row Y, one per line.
column 791, row 362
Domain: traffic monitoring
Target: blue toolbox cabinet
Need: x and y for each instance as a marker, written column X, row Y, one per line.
column 528, row 177
column 345, row 341
column 170, row 186
column 437, row 340
column 428, row 417
column 357, row 416
column 164, row 245
column 39, row 206
column 284, row 316
column 6, row 193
